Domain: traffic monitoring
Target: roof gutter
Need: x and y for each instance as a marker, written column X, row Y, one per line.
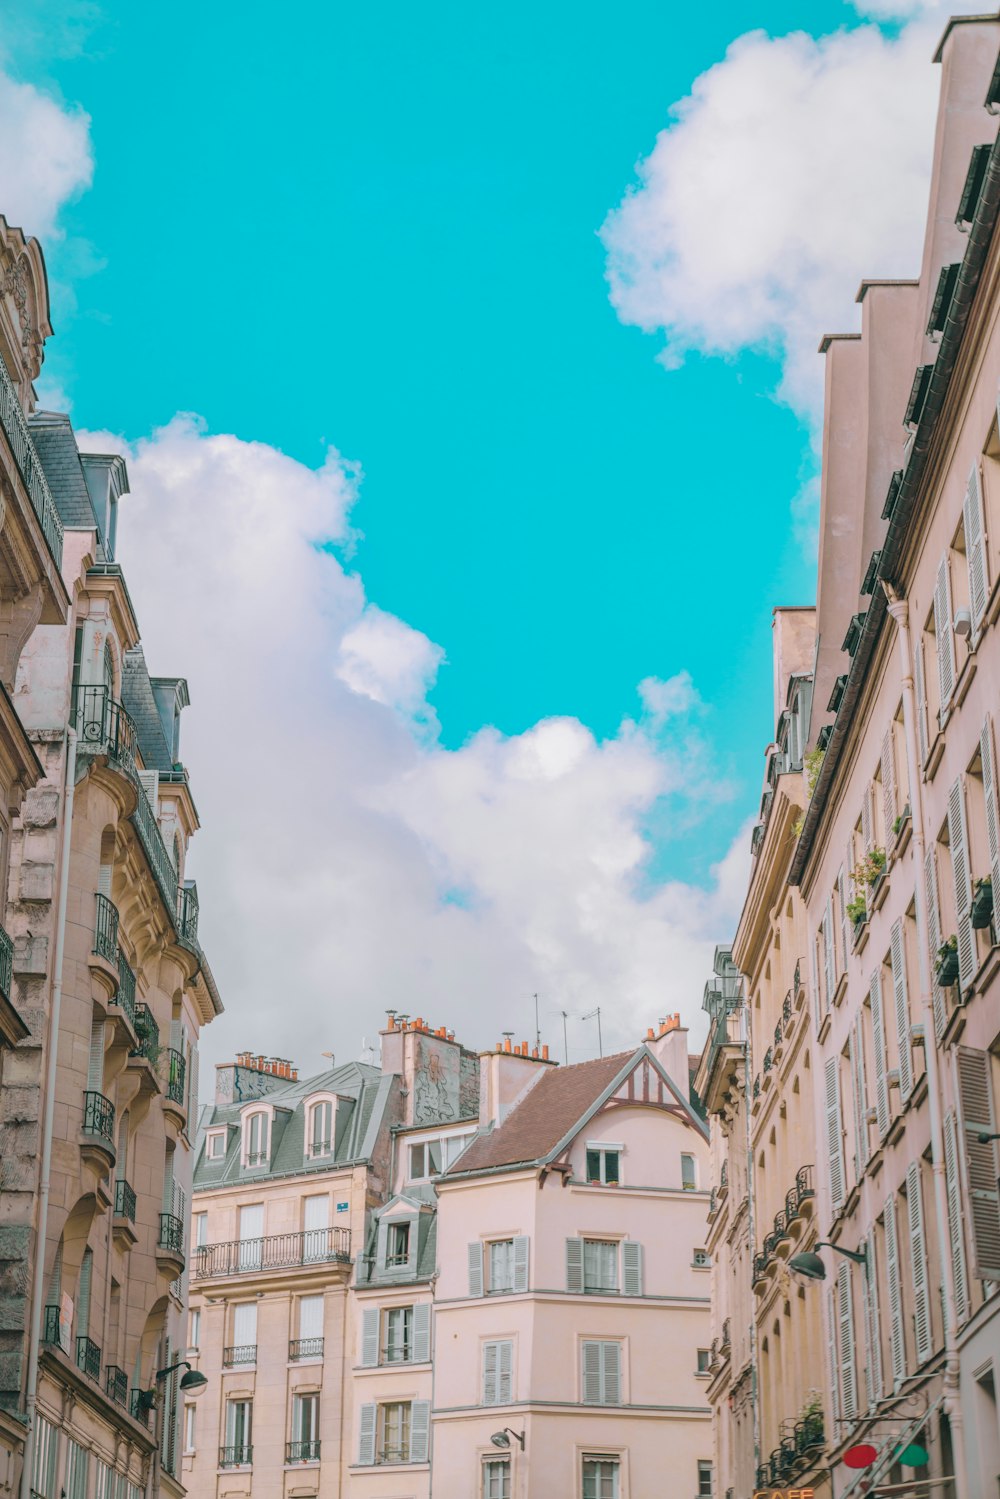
column 980, row 236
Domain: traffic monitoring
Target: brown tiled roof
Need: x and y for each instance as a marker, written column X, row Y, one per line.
column 545, row 1116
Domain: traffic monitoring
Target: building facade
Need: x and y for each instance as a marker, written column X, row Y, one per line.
column 100, row 963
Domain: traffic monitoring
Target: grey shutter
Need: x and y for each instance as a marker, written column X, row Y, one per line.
column 878, row 1039
column 591, row 1373
column 420, row 1430
column 421, row 1332
column 834, row 1361
column 491, row 1360
column 888, row 783
column 922, row 1329
column 862, row 1086
column 975, row 550
column 867, row 831
column 83, row 1296
column 897, row 1341
column 168, row 1181
column 574, row 1266
column 954, row 1195
column 898, row 949
column 860, row 1127
column 834, row 1134
column 981, row 1162
column 845, row 942
column 369, row 1337
column 992, row 812
column 150, row 782
column 817, row 997
column 416, row 1224
column 505, row 1372
column 873, row 1330
column 829, row 965
column 475, row 1269
column 366, row 1440
column 631, row 1268
column 921, row 691
column 961, row 874
column 945, row 638
column 845, row 1323
column 192, row 1081
column 611, row 1357
column 95, row 1064
column 521, row 1263
column 381, row 1243
column 934, row 940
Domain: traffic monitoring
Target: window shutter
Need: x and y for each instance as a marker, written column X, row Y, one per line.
column 873, row 1331
column 475, row 1269
column 866, row 820
column 631, row 1268
column 592, row 1373
column 975, row 550
column 381, row 1243
column 845, row 944
column 834, row 1134
column 857, row 1080
column 845, row 1319
column 954, row 1195
column 83, row 1295
column 992, row 811
column 490, row 1366
column 150, row 783
column 422, row 1332
column 369, row 1337
column 245, row 1324
column 959, row 839
column 921, row 692
column 897, row 1343
column 898, row 950
column 934, row 939
column 95, row 1065
column 831, row 1348
column 574, row 1266
column 417, row 1226
column 945, row 639
column 521, row 1263
column 922, row 1329
column 888, row 782
column 420, row 1430
column 817, row 997
column 611, row 1363
column 366, row 1441
column 828, row 960
column 192, row 1081
column 982, row 1166
column 505, row 1373
column 311, row 1317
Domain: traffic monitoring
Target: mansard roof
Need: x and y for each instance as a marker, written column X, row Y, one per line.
column 52, row 434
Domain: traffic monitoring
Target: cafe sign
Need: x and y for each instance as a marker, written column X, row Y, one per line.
column 784, row 1494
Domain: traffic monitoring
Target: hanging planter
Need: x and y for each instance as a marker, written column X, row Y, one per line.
column 982, row 904
column 947, row 963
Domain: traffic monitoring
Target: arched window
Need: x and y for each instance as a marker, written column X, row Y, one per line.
column 319, row 1132
column 256, row 1134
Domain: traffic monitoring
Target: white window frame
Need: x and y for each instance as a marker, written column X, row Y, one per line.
column 405, row 1407
column 214, row 1137
column 200, row 1230
column 495, row 1468
column 393, row 1261
column 492, row 1288
column 259, row 1159
column 612, row 1459
column 320, row 1101
column 386, row 1344
column 702, row 1263
column 190, row 1425
column 601, row 1290
column 194, row 1328
column 603, row 1148
column 692, row 1185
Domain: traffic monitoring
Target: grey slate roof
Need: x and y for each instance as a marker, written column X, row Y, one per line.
column 139, row 702
column 52, row 434
column 367, row 1270
column 364, row 1094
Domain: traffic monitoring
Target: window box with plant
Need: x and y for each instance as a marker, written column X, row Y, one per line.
column 899, row 823
column 946, row 967
column 857, row 912
column 982, row 904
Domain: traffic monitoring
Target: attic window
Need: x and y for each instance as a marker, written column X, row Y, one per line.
column 918, row 395
column 215, row 1145
column 319, row 1128
column 853, row 634
column 397, row 1245
column 871, row 574
column 837, row 695
column 943, row 297
column 890, row 500
column 256, row 1133
column 604, row 1165
column 975, row 177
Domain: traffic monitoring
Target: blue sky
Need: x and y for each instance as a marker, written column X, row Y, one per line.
column 378, row 230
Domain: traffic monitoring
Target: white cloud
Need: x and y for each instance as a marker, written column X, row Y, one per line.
column 45, row 156
column 348, row 862
column 795, row 167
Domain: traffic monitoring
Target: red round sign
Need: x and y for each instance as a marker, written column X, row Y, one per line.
column 860, row 1457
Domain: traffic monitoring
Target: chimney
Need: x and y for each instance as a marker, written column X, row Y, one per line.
column 669, row 1046
column 506, row 1075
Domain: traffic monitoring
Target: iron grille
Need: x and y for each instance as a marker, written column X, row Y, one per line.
column 116, row 1384
column 124, row 1201
column 99, row 1116
column 242, row 1353
column 240, row 1456
column 88, row 1357
column 6, row 964
column 19, row 436
column 301, row 1348
column 302, row 1452
column 276, row 1252
column 171, row 1233
column 106, row 929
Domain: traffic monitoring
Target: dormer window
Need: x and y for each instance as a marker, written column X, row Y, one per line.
column 319, row 1128
column 256, row 1138
column 397, row 1245
column 215, row 1145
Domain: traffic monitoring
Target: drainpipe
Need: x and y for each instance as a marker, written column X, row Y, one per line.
column 51, row 1067
column 899, row 610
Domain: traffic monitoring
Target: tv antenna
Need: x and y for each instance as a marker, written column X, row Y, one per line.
column 590, row 1016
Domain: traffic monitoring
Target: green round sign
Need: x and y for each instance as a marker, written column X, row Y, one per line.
column 913, row 1456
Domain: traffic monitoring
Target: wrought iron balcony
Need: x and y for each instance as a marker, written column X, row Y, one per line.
column 768, row 1059
column 777, row 1035
column 6, row 964
column 153, row 846
column 804, row 1188
column 794, row 1198
column 300, row 1348
column 104, row 727
column 106, row 929
column 239, row 1456
column 302, row 1452
column 124, row 1201
column 147, row 1033
column 88, row 1357
column 276, row 1252
column 759, row 1267
column 125, row 998
column 176, row 1068
column 786, row 1008
column 50, row 1325
column 18, row 435
column 171, row 1233
column 756, row 1086
column 116, row 1384
column 713, row 1202
column 187, row 912
column 724, row 1177
column 242, row 1353
column 138, row 1406
column 99, row 1116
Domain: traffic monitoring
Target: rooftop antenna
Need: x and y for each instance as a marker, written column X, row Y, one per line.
column 565, row 1017
column 332, row 1058
column 597, row 1012
column 538, row 1034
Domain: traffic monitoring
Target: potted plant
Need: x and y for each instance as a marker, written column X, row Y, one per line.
column 982, row 904
column 900, row 820
column 871, row 868
column 857, row 911
column 947, row 963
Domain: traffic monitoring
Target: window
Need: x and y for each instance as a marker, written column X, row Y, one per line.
column 316, row 1223
column 189, row 1426
column 244, row 1334
column 77, row 1464
column 397, row 1244
column 215, row 1145
column 200, row 1230
column 305, row 1429
column 702, row 1259
column 425, row 1159
column 604, row 1164
column 320, row 1134
column 600, row 1265
column 238, row 1451
column 393, row 1441
column 600, row 1477
column 689, row 1177
column 194, row 1328
column 105, row 1485
column 251, row 1236
column 310, row 1340
column 496, row 1479
column 256, row 1130
column 501, row 1262
column 601, row 1381
column 397, row 1334
column 703, row 1358
column 498, row 1364
column 705, row 1490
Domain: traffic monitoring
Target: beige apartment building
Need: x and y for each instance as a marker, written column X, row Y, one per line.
column 105, row 984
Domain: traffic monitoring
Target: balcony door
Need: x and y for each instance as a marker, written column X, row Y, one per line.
column 251, row 1237
column 316, row 1222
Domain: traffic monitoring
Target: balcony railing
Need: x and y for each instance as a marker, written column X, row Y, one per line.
column 88, row 1357
column 176, row 1068
column 242, row 1353
column 160, row 862
column 6, row 964
column 768, row 1059
column 125, row 998
column 138, row 1406
column 124, row 1201
column 239, row 1456
column 25, row 456
column 300, row 1348
column 795, row 1197
column 804, row 1188
column 104, row 727
column 147, row 1033
column 116, row 1384
column 106, row 929
column 171, row 1233
column 99, row 1116
column 187, row 912
column 276, row 1252
column 50, row 1325
column 302, row 1452
column 786, row 1009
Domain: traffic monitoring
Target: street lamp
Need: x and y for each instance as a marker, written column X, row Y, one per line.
column 812, row 1267
column 502, row 1438
column 192, row 1381
column 984, row 1137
